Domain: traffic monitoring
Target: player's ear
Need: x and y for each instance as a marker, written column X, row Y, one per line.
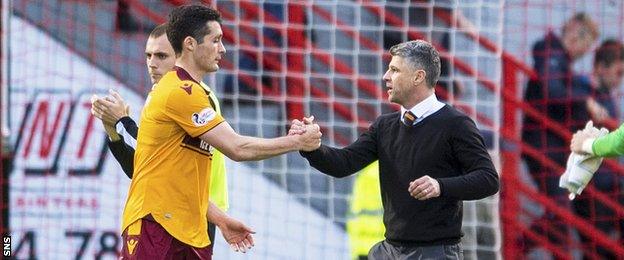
column 189, row 43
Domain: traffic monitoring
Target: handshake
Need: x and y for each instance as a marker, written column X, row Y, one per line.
column 308, row 133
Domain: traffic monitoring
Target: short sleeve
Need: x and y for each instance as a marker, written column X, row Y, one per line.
column 188, row 105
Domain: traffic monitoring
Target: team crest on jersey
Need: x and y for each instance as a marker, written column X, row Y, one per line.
column 131, row 245
column 188, row 88
column 203, row 117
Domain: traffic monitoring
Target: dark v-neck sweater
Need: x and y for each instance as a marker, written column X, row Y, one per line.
column 445, row 145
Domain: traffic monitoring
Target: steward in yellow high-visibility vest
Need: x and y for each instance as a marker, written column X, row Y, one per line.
column 365, row 225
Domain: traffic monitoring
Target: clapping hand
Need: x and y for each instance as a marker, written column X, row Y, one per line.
column 110, row 108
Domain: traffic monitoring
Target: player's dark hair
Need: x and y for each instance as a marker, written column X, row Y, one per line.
column 158, row 31
column 190, row 21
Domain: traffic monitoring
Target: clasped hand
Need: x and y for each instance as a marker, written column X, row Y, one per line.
column 308, row 133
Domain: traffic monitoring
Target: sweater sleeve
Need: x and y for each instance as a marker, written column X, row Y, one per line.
column 130, row 126
column 610, row 145
column 124, row 154
column 479, row 178
column 346, row 161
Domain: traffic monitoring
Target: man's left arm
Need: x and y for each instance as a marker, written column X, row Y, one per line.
column 480, row 179
column 235, row 233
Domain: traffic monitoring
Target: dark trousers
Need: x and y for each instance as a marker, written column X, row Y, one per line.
column 211, row 234
column 211, row 231
column 386, row 251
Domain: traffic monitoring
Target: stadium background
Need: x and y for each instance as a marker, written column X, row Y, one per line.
column 64, row 194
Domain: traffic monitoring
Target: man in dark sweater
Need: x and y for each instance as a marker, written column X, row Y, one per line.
column 431, row 158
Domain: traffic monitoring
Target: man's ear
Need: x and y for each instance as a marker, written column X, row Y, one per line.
column 189, row 43
column 419, row 77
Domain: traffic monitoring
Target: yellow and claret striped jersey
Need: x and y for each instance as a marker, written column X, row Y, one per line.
column 171, row 164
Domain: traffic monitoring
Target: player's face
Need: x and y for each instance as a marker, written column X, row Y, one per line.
column 211, row 50
column 611, row 76
column 159, row 56
column 399, row 81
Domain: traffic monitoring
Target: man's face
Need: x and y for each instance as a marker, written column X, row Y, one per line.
column 579, row 40
column 208, row 54
column 610, row 76
column 399, row 80
column 159, row 56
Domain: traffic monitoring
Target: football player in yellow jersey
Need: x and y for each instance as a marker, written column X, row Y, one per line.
column 113, row 110
column 179, row 131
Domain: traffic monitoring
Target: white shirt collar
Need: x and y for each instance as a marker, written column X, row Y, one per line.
column 426, row 107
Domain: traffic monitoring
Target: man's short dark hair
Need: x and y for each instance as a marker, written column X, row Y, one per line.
column 190, row 20
column 609, row 52
column 420, row 55
column 158, row 31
